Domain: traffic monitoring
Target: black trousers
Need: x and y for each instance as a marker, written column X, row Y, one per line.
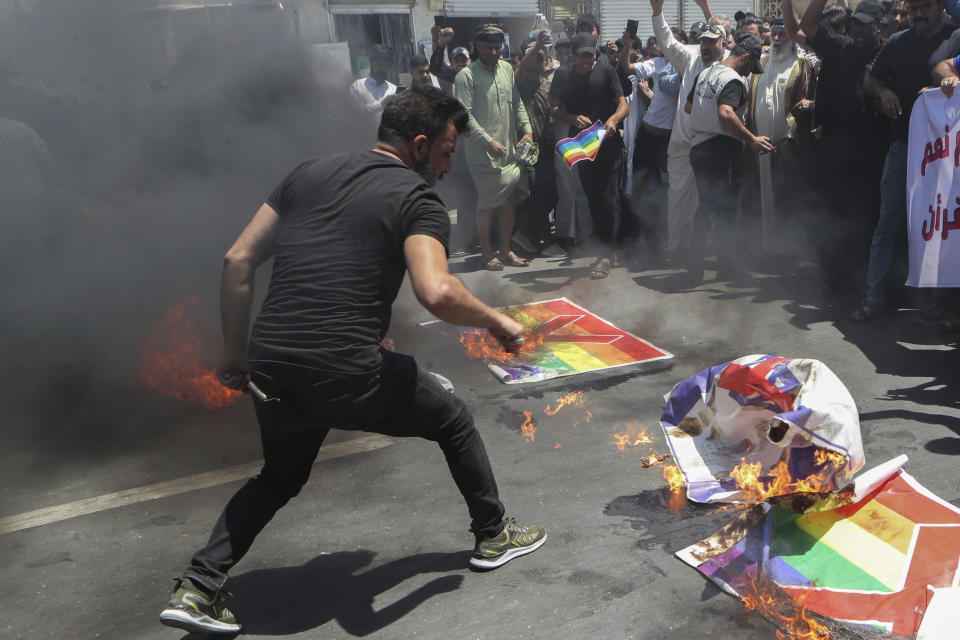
column 717, row 166
column 602, row 182
column 402, row 400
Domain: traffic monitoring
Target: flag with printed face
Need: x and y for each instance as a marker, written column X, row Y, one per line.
column 933, row 191
column 584, row 146
column 790, row 419
column 878, row 558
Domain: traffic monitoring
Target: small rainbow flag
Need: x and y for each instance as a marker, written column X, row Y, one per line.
column 583, row 147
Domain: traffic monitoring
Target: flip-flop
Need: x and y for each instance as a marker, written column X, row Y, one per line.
column 600, row 269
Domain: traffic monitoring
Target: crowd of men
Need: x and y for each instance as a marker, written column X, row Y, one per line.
column 743, row 136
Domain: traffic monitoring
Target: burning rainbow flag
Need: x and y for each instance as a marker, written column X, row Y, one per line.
column 877, row 559
column 565, row 339
column 584, row 146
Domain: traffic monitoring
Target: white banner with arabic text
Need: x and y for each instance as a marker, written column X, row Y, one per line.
column 933, row 191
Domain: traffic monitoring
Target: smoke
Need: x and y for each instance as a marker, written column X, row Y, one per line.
column 156, row 166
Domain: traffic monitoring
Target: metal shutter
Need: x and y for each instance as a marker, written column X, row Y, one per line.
column 615, row 13
column 484, row 8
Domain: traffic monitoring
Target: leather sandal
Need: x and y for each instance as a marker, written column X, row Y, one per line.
column 600, row 269
column 514, row 260
column 493, row 264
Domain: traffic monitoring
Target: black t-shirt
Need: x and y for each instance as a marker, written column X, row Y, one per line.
column 903, row 64
column 593, row 94
column 339, row 259
column 841, row 103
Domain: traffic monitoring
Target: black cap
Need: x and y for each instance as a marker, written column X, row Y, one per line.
column 698, row 27
column 749, row 43
column 739, row 15
column 868, row 12
column 588, row 19
column 584, row 43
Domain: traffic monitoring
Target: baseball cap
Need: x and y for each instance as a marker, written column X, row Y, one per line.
column 698, row 27
column 587, row 20
column 749, row 43
column 713, row 31
column 460, row 51
column 868, row 11
column 584, row 43
column 739, row 15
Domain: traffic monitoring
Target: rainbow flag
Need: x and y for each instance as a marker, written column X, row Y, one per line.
column 875, row 562
column 583, row 147
column 574, row 341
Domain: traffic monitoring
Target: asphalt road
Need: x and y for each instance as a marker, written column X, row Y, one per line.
column 377, row 544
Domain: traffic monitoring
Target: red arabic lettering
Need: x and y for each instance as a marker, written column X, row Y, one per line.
column 934, row 220
column 950, row 225
column 937, row 150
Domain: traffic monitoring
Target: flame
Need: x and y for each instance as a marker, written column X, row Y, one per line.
column 674, row 476
column 558, row 446
column 589, row 416
column 572, row 399
column 177, row 363
column 633, row 436
column 480, row 344
column 763, row 596
column 653, row 460
column 780, row 482
column 529, row 427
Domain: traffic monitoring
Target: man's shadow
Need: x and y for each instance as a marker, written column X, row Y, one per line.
column 289, row 600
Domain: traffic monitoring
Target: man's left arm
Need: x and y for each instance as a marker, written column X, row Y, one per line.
column 255, row 244
column 521, row 118
column 946, row 75
column 623, row 109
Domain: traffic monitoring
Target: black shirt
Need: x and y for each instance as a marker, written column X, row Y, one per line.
column 595, row 94
column 903, row 64
column 841, row 105
column 339, row 259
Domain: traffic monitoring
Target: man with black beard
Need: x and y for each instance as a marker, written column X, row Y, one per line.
column 899, row 72
column 716, row 105
column 370, row 93
column 688, row 60
column 852, row 138
column 342, row 231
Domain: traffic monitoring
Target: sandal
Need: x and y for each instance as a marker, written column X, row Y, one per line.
column 600, row 269
column 865, row 313
column 493, row 264
column 514, row 260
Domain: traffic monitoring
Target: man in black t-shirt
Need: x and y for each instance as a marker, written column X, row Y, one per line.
column 342, row 231
column 852, row 141
column 582, row 93
column 899, row 72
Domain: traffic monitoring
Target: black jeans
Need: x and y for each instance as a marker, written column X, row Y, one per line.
column 402, row 400
column 717, row 165
column 602, row 182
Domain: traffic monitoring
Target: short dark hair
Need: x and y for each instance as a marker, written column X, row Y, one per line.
column 417, row 61
column 835, row 16
column 419, row 111
column 680, row 35
column 751, row 19
column 382, row 52
column 652, row 40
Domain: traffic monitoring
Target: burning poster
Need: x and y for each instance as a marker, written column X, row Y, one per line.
column 562, row 339
column 879, row 554
column 762, row 426
column 933, row 191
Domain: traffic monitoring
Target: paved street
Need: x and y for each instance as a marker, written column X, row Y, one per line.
column 377, row 544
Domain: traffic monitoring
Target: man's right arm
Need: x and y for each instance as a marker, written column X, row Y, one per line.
column 445, row 296
column 673, row 50
column 439, row 68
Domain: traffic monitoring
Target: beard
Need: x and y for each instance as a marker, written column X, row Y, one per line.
column 425, row 170
column 709, row 56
